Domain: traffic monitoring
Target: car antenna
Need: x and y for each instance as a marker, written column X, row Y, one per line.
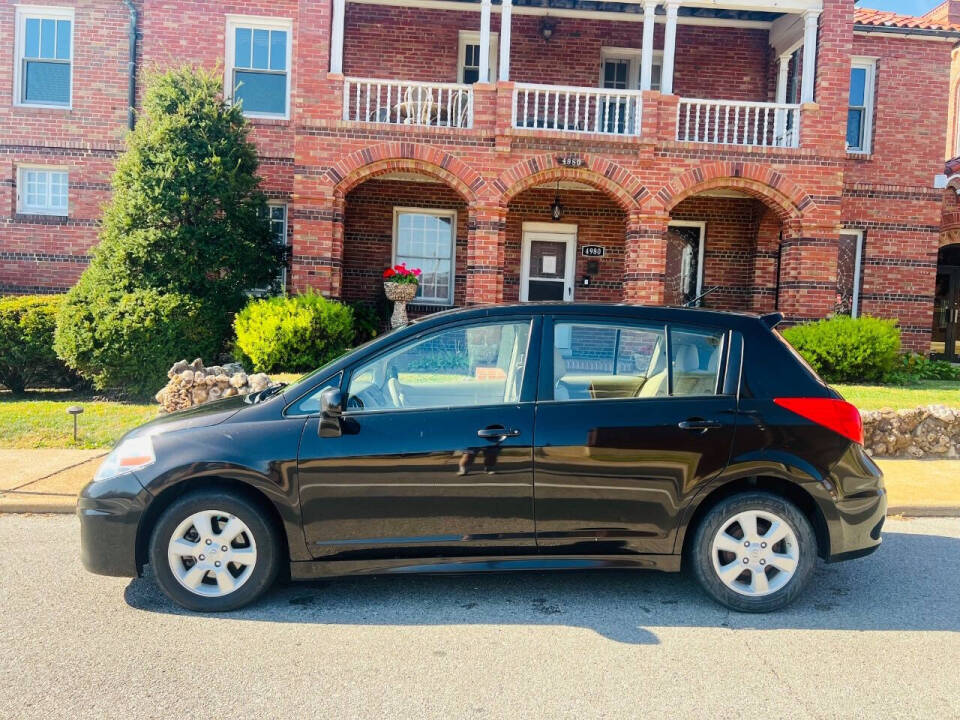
column 692, row 303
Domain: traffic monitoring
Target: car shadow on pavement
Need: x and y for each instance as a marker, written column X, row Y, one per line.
column 911, row 583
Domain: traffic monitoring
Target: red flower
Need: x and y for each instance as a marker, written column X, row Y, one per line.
column 416, row 272
column 389, row 272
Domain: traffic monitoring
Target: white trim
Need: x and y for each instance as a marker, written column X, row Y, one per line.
column 452, row 214
column 23, row 208
column 42, row 12
column 870, row 65
column 550, row 232
column 811, row 20
column 857, row 262
column 472, row 37
column 256, row 22
column 564, row 12
column 336, row 36
column 634, row 57
column 703, row 242
column 901, row 35
column 956, row 123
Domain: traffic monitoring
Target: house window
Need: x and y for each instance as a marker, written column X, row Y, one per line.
column 42, row 191
column 258, row 60
column 849, row 272
column 620, row 69
column 425, row 239
column 44, row 54
column 468, row 61
column 277, row 212
column 860, row 108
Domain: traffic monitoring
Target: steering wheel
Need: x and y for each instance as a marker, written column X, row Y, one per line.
column 393, row 386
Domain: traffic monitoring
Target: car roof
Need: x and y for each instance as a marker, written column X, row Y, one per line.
column 666, row 313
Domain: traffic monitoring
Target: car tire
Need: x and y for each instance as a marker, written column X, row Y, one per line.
column 192, row 533
column 771, row 576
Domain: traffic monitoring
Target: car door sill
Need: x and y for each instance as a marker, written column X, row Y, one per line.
column 311, row 569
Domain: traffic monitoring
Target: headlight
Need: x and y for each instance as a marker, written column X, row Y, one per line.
column 130, row 455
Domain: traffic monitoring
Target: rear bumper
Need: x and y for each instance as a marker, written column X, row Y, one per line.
column 855, row 530
column 110, row 513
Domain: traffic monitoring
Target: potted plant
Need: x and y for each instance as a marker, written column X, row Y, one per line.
column 400, row 284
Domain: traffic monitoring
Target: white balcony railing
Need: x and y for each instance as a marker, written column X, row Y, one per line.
column 403, row 102
column 738, row 123
column 577, row 109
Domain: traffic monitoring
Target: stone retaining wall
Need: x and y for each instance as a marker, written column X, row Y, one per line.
column 930, row 431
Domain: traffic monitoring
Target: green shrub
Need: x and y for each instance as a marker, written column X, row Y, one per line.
column 368, row 320
column 912, row 368
column 127, row 342
column 27, row 358
column 294, row 333
column 845, row 349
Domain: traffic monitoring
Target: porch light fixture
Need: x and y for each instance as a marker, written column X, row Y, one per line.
column 547, row 27
column 556, row 210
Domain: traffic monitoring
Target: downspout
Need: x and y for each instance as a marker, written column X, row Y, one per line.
column 132, row 67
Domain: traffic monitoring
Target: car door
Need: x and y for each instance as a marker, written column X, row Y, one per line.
column 631, row 418
column 433, row 454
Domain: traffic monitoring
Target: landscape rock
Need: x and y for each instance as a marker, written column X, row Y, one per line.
column 191, row 384
column 930, row 431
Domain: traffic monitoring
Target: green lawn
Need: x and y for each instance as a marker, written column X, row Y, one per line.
column 40, row 420
column 927, row 392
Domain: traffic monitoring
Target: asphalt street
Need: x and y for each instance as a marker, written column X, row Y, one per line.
column 877, row 637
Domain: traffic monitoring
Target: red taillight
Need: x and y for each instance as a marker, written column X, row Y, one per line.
column 837, row 415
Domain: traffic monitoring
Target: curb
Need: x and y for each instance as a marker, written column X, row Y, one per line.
column 924, row 510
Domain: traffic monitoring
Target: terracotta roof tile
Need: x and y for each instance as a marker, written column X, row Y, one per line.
column 885, row 18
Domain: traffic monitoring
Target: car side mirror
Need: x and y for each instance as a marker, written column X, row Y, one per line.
column 331, row 408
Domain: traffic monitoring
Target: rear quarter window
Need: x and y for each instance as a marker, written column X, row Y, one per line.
column 773, row 368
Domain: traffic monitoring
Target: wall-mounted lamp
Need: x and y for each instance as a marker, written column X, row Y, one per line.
column 556, row 210
column 547, row 27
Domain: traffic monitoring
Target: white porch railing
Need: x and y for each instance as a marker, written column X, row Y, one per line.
column 761, row 124
column 405, row 102
column 577, row 109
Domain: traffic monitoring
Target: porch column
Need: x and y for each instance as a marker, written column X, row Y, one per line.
column 486, row 240
column 484, row 69
column 336, row 37
column 646, row 58
column 783, row 70
column 645, row 258
column 669, row 49
column 506, row 11
column 809, row 55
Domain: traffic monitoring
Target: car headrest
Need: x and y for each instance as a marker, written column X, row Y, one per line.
column 687, row 359
column 559, row 365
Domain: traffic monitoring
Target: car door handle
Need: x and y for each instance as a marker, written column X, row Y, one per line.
column 699, row 425
column 496, row 433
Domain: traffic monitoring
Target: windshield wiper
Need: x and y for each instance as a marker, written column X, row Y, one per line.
column 260, row 395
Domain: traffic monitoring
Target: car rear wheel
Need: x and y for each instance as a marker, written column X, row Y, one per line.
column 213, row 551
column 754, row 552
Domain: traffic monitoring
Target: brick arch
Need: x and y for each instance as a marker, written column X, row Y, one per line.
column 362, row 165
column 782, row 195
column 600, row 173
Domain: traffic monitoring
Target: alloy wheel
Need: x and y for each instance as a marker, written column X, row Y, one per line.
column 212, row 553
column 755, row 553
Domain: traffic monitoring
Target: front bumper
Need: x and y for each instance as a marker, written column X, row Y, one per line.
column 110, row 513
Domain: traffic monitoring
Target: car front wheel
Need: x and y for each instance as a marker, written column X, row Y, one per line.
column 214, row 550
column 754, row 552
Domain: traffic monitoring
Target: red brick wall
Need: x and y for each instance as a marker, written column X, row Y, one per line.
column 368, row 234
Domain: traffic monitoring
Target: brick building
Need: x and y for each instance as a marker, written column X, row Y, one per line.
column 782, row 154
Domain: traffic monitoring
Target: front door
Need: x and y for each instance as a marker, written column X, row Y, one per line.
column 548, row 264
column 945, row 310
column 636, row 423
column 434, row 456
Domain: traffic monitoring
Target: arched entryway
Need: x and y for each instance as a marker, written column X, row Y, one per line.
column 946, row 304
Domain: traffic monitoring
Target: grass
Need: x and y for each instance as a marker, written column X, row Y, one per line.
column 39, row 419
column 926, row 392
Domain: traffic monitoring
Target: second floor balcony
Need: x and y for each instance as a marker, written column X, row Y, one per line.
column 734, row 73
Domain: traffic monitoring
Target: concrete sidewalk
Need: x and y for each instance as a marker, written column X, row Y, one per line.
column 47, row 481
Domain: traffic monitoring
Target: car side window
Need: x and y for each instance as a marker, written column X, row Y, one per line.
column 310, row 404
column 596, row 361
column 463, row 366
column 695, row 360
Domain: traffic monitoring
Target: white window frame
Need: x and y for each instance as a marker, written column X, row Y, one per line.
column 870, row 65
column 857, row 269
column 634, row 57
column 43, row 12
column 700, row 252
column 256, row 22
column 452, row 214
column 472, row 37
column 286, row 237
column 23, row 208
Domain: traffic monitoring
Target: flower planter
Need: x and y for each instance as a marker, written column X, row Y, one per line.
column 400, row 294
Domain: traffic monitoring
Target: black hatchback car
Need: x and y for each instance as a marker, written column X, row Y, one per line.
column 537, row 436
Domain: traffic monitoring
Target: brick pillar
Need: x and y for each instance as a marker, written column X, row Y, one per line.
column 763, row 294
column 317, row 247
column 486, row 238
column 645, row 258
column 808, row 272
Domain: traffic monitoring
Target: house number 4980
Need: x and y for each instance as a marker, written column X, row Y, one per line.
column 573, row 161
